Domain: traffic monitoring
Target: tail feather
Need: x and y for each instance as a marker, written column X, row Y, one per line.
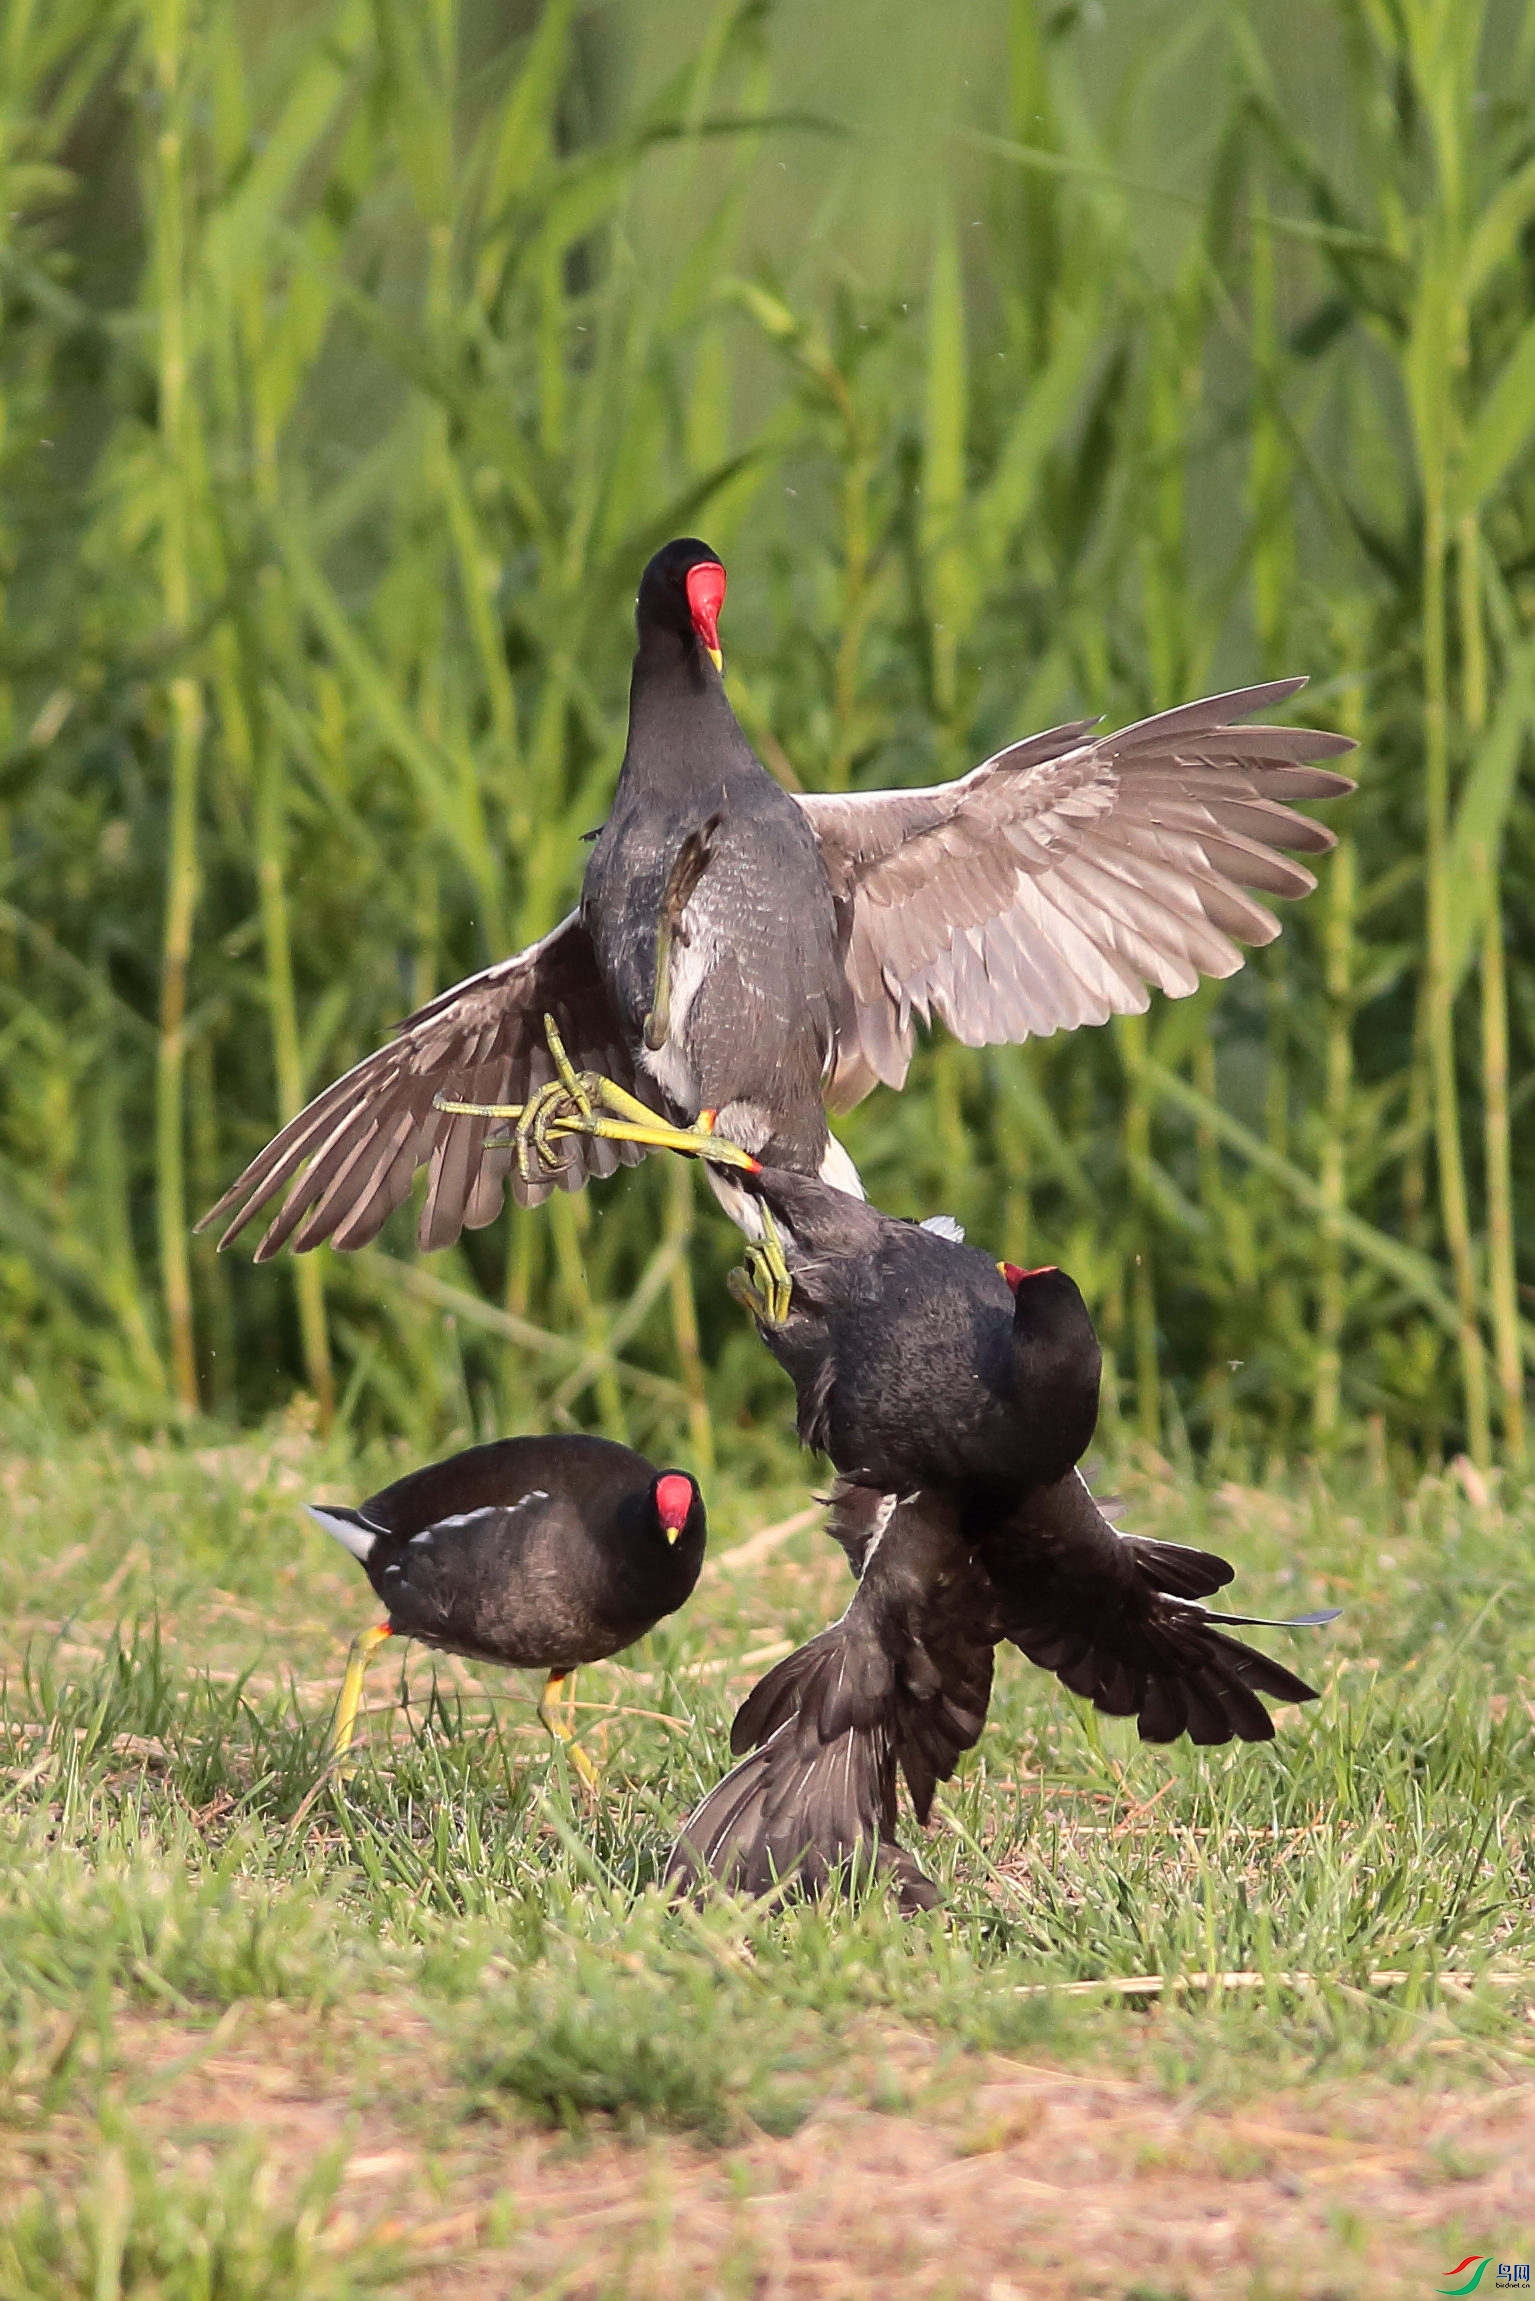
column 348, row 1527
column 930, row 1740
column 812, row 1684
column 839, row 1687
column 1260, row 1670
column 899, row 1686
column 1117, row 1617
column 1176, row 1570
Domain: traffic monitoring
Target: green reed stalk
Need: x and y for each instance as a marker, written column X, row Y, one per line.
column 1171, row 388
column 1271, row 492
column 267, row 767
column 1338, row 974
column 1440, row 988
column 1437, row 36
column 169, row 50
column 1133, row 1038
column 1497, row 1137
column 1503, row 1282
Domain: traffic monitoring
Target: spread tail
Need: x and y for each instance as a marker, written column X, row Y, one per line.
column 1172, row 1671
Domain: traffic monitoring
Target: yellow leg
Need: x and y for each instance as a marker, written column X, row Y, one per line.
column 364, row 1646
column 557, row 1709
column 585, row 1103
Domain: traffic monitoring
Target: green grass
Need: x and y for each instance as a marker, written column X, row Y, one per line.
column 463, row 1951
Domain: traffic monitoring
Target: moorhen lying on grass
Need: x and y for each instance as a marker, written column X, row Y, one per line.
column 538, row 1552
column 958, row 1395
column 1053, row 886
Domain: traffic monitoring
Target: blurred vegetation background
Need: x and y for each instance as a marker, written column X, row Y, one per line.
column 1022, row 361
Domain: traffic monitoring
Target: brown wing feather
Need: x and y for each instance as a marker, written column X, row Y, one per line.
column 1062, row 881
column 349, row 1159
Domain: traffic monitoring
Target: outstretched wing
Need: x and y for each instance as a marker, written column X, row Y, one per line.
column 349, row 1159
column 1060, row 882
column 790, row 1815
column 1117, row 1619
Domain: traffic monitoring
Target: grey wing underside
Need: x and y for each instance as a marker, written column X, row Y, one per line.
column 1063, row 880
column 350, row 1157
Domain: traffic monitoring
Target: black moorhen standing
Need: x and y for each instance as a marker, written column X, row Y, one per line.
column 1053, row 886
column 958, row 1395
column 538, row 1552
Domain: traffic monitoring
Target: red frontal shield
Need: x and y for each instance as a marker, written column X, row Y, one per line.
column 706, row 596
column 674, row 1500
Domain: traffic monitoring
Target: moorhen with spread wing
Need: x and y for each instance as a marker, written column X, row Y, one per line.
column 956, row 1396
column 900, row 1685
column 1055, row 885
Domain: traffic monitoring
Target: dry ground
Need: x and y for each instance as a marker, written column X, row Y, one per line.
column 430, row 2033
column 986, row 2176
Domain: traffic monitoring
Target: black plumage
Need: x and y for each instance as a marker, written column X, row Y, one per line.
column 540, row 1553
column 1054, row 886
column 899, row 1685
column 1116, row 1618
column 955, row 1396
column 918, row 1361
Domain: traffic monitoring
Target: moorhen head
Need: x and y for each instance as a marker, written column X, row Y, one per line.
column 541, row 1553
column 681, row 593
column 1057, row 884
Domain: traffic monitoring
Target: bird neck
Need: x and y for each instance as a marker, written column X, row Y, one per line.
column 682, row 730
column 1056, row 1375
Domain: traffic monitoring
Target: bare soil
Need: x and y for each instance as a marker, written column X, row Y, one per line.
column 987, row 2178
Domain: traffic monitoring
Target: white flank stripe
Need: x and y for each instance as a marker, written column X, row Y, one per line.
column 487, row 1513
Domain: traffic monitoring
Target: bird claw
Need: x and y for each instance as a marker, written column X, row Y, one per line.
column 585, row 1103
column 762, row 1285
column 562, row 1105
column 567, row 1104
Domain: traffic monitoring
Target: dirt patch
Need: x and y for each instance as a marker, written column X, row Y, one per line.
column 997, row 2178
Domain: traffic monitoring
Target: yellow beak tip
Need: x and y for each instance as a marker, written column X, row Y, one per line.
column 717, row 658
